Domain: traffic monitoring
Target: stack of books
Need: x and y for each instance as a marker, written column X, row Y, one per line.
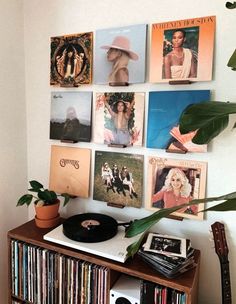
column 169, row 255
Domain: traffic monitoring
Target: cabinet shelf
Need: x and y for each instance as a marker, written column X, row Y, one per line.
column 134, row 267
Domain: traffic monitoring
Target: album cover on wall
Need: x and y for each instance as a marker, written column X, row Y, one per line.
column 71, row 60
column 182, row 49
column 70, row 170
column 71, row 116
column 120, row 55
column 173, row 182
column 164, row 112
column 118, row 178
column 119, row 118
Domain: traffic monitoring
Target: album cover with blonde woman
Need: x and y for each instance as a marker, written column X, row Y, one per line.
column 176, row 182
column 182, row 50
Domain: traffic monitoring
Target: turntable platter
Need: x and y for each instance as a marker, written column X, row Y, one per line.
column 90, row 227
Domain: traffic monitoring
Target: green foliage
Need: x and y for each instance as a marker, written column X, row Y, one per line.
column 134, row 247
column 208, row 118
column 232, row 61
column 47, row 196
column 144, row 224
column 230, row 5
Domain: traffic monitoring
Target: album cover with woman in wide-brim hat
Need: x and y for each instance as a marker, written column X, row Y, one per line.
column 120, row 55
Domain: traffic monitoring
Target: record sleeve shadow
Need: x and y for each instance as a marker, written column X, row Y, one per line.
column 116, row 205
column 118, row 84
column 175, row 217
column 69, row 141
column 173, row 82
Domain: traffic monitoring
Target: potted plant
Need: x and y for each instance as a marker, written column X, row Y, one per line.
column 46, row 204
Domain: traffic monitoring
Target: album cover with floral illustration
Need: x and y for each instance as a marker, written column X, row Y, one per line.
column 71, row 60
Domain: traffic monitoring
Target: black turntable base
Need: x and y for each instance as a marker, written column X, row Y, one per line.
column 90, row 227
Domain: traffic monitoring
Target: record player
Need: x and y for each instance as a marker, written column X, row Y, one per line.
column 93, row 233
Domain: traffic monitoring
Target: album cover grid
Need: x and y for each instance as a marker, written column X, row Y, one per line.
column 117, row 118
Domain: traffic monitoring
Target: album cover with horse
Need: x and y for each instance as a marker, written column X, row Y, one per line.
column 182, row 50
column 70, row 170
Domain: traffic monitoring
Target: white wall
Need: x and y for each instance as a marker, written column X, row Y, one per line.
column 12, row 127
column 44, row 19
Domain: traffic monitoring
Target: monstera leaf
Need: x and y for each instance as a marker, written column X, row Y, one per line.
column 144, row 224
column 209, row 118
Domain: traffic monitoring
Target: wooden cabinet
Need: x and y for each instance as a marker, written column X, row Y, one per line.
column 29, row 234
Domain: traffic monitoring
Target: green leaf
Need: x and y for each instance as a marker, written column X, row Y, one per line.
column 66, row 198
column 229, row 205
column 53, row 195
column 142, row 225
column 209, row 118
column 230, row 5
column 211, row 130
column 36, row 186
column 45, row 196
column 134, row 247
column 25, row 199
column 232, row 61
column 228, row 196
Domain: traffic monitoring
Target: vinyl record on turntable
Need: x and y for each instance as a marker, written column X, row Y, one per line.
column 90, row 227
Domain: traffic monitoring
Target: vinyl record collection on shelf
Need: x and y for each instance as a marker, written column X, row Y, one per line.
column 43, row 276
column 42, row 272
column 152, row 293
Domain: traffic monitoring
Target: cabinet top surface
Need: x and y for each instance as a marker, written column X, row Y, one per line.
column 29, row 233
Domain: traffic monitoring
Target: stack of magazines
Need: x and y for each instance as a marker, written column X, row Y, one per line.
column 169, row 255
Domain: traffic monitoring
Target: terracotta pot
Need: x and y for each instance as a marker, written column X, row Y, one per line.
column 47, row 216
